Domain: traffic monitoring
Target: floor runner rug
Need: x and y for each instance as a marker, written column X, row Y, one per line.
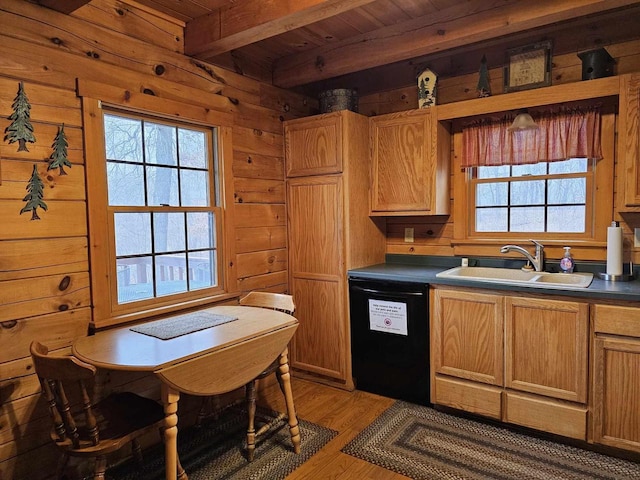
column 425, row 444
column 216, row 450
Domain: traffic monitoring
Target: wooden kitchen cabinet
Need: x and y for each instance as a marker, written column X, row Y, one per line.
column 547, row 347
column 467, row 350
column 616, row 376
column 466, row 335
column 313, row 145
column 628, row 150
column 410, row 153
column 316, row 271
column 521, row 360
column 547, row 354
column 329, row 232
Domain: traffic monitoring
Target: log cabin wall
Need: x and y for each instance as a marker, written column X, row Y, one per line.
column 432, row 235
column 44, row 266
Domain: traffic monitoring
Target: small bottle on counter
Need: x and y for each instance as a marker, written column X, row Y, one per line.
column 566, row 262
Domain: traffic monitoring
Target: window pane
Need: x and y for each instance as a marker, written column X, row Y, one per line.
column 200, row 232
column 202, row 270
column 573, row 165
column 171, row 274
column 134, row 279
column 193, row 148
column 567, row 190
column 567, row 219
column 527, row 193
column 160, row 144
column 123, row 138
column 491, row 219
column 194, row 188
column 500, row 171
column 491, row 194
column 162, row 186
column 532, row 169
column 527, row 219
column 133, row 233
column 125, row 184
column 168, row 232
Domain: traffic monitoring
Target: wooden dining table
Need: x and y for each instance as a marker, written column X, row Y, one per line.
column 206, row 362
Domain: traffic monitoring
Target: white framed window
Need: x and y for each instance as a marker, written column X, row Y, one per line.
column 162, row 205
column 539, row 198
column 159, row 186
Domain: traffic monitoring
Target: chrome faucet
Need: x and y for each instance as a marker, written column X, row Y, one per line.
column 537, row 261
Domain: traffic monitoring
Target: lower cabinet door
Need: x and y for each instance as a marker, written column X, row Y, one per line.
column 466, row 335
column 320, row 345
column 547, row 347
column 616, row 392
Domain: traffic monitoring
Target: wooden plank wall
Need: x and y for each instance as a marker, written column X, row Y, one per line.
column 44, row 266
column 433, row 234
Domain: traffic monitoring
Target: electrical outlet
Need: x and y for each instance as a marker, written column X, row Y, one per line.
column 408, row 235
column 636, row 237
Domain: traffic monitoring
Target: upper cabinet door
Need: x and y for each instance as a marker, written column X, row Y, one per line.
column 313, row 145
column 629, row 140
column 409, row 177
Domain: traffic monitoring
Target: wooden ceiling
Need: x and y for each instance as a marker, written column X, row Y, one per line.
column 374, row 45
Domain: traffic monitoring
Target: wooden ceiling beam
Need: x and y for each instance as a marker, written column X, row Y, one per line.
column 239, row 24
column 456, row 27
column 63, row 6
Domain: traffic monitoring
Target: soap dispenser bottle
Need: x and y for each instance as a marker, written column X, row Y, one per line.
column 566, row 262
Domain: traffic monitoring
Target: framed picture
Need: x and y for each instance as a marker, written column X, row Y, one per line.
column 528, row 67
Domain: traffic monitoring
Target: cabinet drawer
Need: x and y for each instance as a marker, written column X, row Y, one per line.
column 617, row 320
column 467, row 396
column 547, row 415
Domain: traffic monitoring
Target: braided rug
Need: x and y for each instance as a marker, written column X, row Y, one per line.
column 425, row 444
column 216, row 450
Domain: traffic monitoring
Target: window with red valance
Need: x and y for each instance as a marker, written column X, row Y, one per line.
column 562, row 133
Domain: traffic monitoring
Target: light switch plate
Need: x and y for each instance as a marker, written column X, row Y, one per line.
column 636, row 237
column 408, row 235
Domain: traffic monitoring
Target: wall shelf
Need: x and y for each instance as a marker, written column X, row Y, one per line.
column 568, row 92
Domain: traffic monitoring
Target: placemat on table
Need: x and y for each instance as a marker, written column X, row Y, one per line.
column 168, row 328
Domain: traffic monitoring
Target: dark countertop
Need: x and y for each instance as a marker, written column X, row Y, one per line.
column 424, row 270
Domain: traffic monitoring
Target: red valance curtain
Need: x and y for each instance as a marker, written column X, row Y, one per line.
column 562, row 134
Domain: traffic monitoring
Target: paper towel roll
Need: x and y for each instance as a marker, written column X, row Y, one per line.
column 614, row 249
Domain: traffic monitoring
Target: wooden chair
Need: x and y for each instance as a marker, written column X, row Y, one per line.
column 82, row 428
column 279, row 366
column 283, row 303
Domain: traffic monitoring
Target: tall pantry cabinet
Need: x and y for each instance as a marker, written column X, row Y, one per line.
column 329, row 232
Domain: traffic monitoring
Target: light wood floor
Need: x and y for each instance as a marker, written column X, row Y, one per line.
column 346, row 412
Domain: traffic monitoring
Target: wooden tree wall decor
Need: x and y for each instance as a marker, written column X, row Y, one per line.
column 59, row 156
column 34, row 200
column 20, row 129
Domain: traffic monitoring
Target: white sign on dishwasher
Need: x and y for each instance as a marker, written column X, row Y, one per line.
column 390, row 317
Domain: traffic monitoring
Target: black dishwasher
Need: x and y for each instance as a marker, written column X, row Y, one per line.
column 390, row 338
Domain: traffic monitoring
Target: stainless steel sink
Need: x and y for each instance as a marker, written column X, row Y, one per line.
column 519, row 277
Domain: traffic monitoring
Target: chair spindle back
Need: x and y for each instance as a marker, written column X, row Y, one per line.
column 54, row 373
